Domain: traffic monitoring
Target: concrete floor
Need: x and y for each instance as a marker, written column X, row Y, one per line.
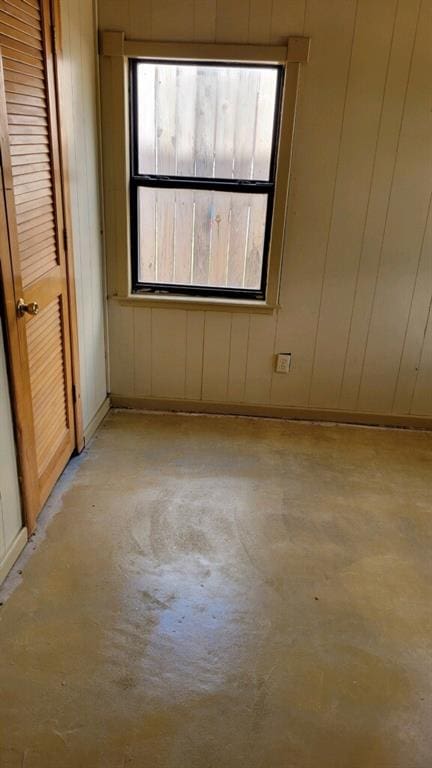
column 225, row 593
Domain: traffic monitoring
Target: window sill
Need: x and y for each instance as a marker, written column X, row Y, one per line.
column 197, row 303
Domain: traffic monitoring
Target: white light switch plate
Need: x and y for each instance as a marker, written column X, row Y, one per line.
column 283, row 362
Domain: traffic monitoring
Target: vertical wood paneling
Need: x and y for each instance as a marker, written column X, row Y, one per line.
column 110, row 171
column 69, row 77
column 121, row 347
column 3, row 548
column 116, row 236
column 94, row 256
column 259, row 370
column 173, row 20
column 140, row 19
column 142, row 346
column 80, row 123
column 260, row 19
column 421, row 403
column 384, row 165
column 194, row 354
column 288, row 18
column 316, row 151
column 10, row 505
column 240, row 328
column 360, row 186
column 217, row 334
column 232, row 21
column 205, row 20
column 168, row 353
column 404, row 231
column 370, row 55
column 416, row 327
column 114, row 14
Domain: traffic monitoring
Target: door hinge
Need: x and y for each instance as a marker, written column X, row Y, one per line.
column 65, row 240
column 74, row 394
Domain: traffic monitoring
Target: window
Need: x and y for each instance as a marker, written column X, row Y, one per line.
column 203, row 165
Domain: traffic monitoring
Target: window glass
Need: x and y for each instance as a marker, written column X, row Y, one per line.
column 201, row 238
column 202, row 176
column 205, row 121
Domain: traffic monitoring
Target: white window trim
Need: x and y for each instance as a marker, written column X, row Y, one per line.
column 115, row 51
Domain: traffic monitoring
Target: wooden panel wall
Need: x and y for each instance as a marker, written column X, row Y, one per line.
column 357, row 265
column 78, row 77
column 10, row 506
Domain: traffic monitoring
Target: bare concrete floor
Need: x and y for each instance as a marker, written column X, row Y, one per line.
column 226, row 593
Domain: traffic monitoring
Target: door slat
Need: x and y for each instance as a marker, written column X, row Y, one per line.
column 33, row 156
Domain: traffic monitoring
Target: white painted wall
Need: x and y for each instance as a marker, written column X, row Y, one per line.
column 356, row 283
column 78, row 79
column 10, row 506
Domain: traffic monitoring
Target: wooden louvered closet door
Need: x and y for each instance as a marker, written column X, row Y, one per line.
column 32, row 181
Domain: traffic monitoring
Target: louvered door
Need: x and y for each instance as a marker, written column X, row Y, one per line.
column 32, row 179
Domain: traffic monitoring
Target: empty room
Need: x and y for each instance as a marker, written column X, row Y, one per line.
column 215, row 383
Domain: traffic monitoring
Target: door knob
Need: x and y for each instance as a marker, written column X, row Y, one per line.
column 32, row 308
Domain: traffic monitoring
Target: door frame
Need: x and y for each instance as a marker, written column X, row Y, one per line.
column 67, row 219
column 18, row 380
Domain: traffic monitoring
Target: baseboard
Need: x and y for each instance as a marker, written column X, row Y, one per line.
column 96, row 420
column 275, row 412
column 13, row 553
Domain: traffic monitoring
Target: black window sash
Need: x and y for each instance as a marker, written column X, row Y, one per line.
column 164, row 181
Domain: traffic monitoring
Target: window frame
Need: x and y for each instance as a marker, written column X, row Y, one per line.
column 164, row 181
column 115, row 49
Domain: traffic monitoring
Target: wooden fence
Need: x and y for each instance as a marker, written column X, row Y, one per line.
column 214, row 122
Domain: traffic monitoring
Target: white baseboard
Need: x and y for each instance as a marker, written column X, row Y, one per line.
column 13, row 553
column 97, row 419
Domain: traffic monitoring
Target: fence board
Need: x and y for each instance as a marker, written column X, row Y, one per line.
column 165, row 164
column 239, row 216
column 209, row 122
column 255, row 242
column 185, row 98
column 146, row 82
column 228, row 84
column 264, row 124
column 220, row 240
column 245, row 125
column 244, row 144
column 204, row 161
column 147, row 234
column 202, row 237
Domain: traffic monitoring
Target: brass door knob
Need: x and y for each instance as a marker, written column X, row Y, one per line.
column 32, row 308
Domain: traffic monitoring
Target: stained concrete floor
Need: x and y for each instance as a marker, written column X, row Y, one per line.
column 225, row 593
